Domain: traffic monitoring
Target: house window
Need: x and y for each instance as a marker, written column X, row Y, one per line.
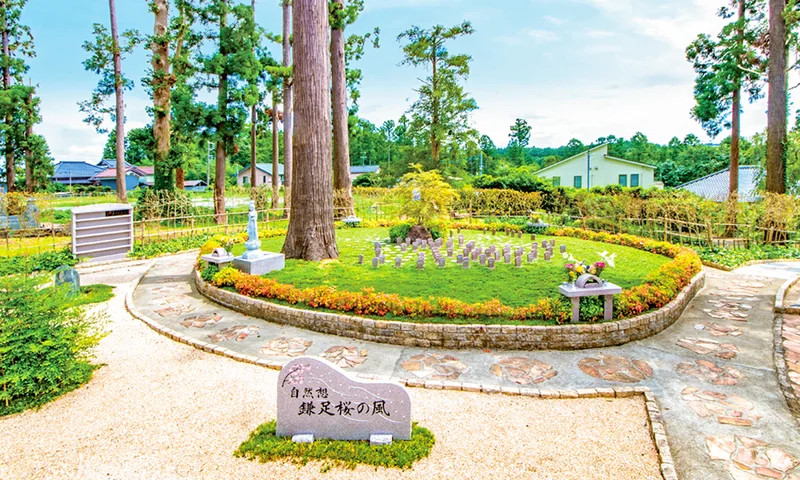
column 264, row 179
column 577, row 182
column 245, row 180
column 634, row 180
column 556, row 181
column 623, row 180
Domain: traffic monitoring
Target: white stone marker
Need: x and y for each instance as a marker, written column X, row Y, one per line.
column 317, row 398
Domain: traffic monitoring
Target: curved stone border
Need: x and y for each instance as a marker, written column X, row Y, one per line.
column 780, row 298
column 508, row 337
column 658, row 432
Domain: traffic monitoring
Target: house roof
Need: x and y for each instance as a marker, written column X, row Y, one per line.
column 607, row 157
column 194, row 183
column 112, row 173
column 265, row 167
column 364, row 169
column 75, row 170
column 147, row 169
column 715, row 186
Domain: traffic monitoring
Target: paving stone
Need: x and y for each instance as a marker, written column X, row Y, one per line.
column 616, row 368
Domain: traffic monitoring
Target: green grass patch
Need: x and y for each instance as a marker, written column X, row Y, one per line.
column 265, row 446
column 735, row 257
column 513, row 286
column 97, row 293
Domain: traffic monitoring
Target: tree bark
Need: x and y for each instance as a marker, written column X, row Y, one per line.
column 253, row 123
column 122, row 196
column 30, row 186
column 9, row 145
column 276, row 179
column 343, row 199
column 162, row 90
column 222, row 137
column 180, row 178
column 311, row 234
column 287, row 105
column 435, row 140
column 736, row 110
column 776, row 116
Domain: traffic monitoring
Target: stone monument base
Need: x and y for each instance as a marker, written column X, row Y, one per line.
column 265, row 263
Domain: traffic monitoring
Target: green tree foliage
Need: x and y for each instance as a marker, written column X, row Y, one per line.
column 139, row 146
column 18, row 108
column 442, row 111
column 101, row 62
column 519, row 138
column 45, row 343
column 425, row 197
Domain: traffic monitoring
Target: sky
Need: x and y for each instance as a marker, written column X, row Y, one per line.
column 572, row 68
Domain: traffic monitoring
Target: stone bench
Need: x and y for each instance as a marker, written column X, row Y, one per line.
column 575, row 293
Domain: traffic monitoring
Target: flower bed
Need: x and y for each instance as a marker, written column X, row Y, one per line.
column 659, row 288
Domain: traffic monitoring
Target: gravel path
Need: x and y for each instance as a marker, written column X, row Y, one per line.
column 161, row 410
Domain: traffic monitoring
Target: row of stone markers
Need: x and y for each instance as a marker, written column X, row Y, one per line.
column 471, row 253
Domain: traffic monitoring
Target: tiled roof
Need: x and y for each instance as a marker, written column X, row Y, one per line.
column 715, row 186
column 266, row 168
column 147, row 169
column 112, row 173
column 75, row 170
column 364, row 168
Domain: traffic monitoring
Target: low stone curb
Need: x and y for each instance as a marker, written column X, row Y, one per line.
column 780, row 297
column 425, row 335
column 782, row 368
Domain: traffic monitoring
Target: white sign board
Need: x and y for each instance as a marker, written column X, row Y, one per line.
column 316, row 397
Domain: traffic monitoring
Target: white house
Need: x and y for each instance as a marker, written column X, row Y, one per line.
column 263, row 175
column 596, row 168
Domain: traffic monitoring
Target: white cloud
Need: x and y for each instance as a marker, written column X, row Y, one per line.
column 554, row 20
column 600, row 34
column 529, row 35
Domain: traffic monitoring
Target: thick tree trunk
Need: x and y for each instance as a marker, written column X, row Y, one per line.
column 122, row 196
column 287, row 105
column 311, row 233
column 9, row 144
column 180, row 178
column 30, row 186
column 253, row 124
column 736, row 111
column 341, row 143
column 162, row 90
column 776, row 116
column 222, row 137
column 276, row 179
column 435, row 140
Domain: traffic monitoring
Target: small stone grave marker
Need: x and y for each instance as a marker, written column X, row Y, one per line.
column 317, row 398
column 420, row 264
column 465, row 263
column 403, row 247
column 375, row 262
column 490, row 262
column 66, row 275
column 442, row 263
column 563, row 249
column 547, row 255
column 530, row 257
column 518, row 261
column 507, row 258
column 552, row 243
column 382, row 258
column 361, row 259
column 483, row 259
column 398, row 262
column 533, row 237
column 459, row 258
column 544, row 243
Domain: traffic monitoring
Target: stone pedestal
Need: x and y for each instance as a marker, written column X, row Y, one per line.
column 259, row 264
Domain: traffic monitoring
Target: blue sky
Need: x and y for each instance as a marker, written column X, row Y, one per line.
column 573, row 68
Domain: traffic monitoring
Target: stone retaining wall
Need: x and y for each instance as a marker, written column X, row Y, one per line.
column 509, row 337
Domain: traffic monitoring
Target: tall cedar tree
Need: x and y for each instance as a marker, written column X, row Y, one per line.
column 237, row 68
column 287, row 103
column 776, row 100
column 443, row 106
column 311, row 234
column 17, row 45
column 725, row 65
column 341, row 143
column 520, row 136
column 253, row 123
column 105, row 59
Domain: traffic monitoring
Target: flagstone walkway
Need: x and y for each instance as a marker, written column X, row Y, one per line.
column 712, row 372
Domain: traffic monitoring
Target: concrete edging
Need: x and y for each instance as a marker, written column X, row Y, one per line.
column 508, row 337
column 781, row 365
column 750, row 263
column 780, row 297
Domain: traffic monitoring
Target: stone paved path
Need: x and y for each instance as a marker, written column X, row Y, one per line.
column 712, row 372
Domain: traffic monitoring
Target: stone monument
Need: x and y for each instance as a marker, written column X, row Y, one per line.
column 66, row 275
column 317, row 400
column 255, row 261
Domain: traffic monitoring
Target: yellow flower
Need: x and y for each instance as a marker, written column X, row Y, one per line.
column 579, row 269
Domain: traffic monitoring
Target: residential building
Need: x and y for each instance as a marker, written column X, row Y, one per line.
column 357, row 170
column 76, row 173
column 596, row 168
column 716, row 185
column 108, row 178
column 263, row 175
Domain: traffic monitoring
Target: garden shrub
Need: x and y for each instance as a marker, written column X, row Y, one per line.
column 399, row 231
column 46, row 343
column 45, row 261
column 435, row 197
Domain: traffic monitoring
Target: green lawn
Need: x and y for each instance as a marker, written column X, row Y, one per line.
column 512, row 286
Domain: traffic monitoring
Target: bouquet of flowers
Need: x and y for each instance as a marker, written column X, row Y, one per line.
column 575, row 270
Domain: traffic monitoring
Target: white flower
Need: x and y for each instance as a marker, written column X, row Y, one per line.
column 609, row 259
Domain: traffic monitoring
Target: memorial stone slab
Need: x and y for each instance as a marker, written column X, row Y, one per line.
column 518, row 261
column 507, row 258
column 490, row 263
column 403, row 247
column 547, row 256
column 544, row 243
column 449, row 252
column 530, row 257
column 398, row 262
column 442, row 262
column 465, row 263
column 460, row 258
column 563, row 249
column 420, row 264
column 483, row 259
column 375, row 262
column 361, row 259
column 317, row 398
column 552, row 243
column 533, row 237
column 382, row 258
